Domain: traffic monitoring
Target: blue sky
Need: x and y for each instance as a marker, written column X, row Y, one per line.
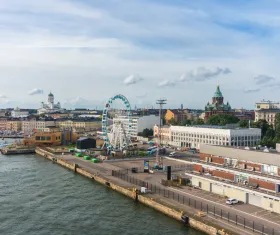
column 87, row 51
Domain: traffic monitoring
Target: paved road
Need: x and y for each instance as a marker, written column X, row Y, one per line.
column 242, row 211
column 154, row 179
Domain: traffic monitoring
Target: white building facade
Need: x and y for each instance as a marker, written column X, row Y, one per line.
column 165, row 134
column 18, row 113
column 190, row 136
column 138, row 123
column 50, row 107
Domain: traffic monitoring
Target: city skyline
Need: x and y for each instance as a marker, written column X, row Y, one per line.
column 86, row 52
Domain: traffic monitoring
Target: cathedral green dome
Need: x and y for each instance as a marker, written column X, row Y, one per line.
column 218, row 93
column 50, row 94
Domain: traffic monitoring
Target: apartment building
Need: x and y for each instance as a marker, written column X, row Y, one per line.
column 3, row 124
column 79, row 124
column 14, row 125
column 164, row 133
column 177, row 115
column 3, row 113
column 266, row 114
column 29, row 126
column 266, row 104
column 138, row 124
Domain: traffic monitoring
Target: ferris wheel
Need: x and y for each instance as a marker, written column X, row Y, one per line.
column 117, row 136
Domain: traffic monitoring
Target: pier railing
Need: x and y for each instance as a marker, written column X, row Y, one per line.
column 229, row 217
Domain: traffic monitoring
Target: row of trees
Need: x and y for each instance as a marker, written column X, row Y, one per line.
column 173, row 122
column 270, row 134
column 218, row 119
column 222, row 119
column 146, row 133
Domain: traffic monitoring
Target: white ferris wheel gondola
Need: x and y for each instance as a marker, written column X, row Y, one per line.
column 119, row 137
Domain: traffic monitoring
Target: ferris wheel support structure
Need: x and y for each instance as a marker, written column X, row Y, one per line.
column 119, row 137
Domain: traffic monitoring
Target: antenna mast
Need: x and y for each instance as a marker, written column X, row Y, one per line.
column 159, row 159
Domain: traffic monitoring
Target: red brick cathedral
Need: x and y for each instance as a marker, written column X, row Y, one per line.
column 217, row 106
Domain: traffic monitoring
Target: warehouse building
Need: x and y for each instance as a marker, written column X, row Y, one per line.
column 254, row 181
column 266, row 201
column 249, row 175
column 262, row 161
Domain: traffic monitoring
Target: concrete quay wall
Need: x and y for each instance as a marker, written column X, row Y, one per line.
column 194, row 223
column 87, row 174
column 13, row 151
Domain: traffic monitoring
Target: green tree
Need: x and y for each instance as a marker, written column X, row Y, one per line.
column 244, row 123
column 277, row 126
column 269, row 142
column 147, row 132
column 222, row 119
column 263, row 125
column 163, row 120
column 270, row 133
column 199, row 121
column 172, row 122
column 185, row 122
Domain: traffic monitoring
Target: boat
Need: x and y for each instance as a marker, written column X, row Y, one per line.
column 4, row 144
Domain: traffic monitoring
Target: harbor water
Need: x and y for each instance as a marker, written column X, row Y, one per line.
column 39, row 197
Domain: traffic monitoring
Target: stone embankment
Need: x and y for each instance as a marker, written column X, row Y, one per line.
column 184, row 217
column 13, row 151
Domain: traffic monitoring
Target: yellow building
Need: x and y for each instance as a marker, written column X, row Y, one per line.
column 176, row 115
column 14, row 125
column 79, row 125
column 44, row 139
column 51, row 137
column 266, row 104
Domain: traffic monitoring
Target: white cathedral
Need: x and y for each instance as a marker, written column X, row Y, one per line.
column 50, row 107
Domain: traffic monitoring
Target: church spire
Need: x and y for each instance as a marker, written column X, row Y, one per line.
column 218, row 93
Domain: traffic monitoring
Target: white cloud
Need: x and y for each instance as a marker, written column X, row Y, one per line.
column 36, row 91
column 94, row 43
column 262, row 79
column 251, row 90
column 203, row 74
column 142, row 96
column 34, row 38
column 166, row 83
column 4, row 101
column 80, row 102
column 62, row 7
column 3, row 97
column 132, row 79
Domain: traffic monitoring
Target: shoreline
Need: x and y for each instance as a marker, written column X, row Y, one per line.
column 186, row 217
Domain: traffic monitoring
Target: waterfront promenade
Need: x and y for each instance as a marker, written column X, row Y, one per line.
column 261, row 224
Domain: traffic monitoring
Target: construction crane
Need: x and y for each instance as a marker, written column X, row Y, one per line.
column 159, row 159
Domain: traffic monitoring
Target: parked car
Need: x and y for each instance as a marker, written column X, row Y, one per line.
column 172, row 154
column 231, row 201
